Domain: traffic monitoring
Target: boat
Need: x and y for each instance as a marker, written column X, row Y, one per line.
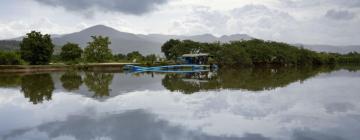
column 184, row 68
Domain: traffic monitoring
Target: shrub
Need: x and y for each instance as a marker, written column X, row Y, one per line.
column 10, row 58
column 71, row 52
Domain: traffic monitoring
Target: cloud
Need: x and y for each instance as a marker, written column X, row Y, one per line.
column 316, row 3
column 135, row 124
column 86, row 7
column 256, row 20
column 339, row 14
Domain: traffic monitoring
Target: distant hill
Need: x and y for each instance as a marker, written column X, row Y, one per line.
column 9, row 45
column 122, row 42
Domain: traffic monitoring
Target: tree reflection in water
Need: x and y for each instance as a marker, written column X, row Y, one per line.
column 252, row 79
column 37, row 87
column 71, row 80
column 98, row 83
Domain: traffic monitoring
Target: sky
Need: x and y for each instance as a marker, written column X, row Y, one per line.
column 333, row 22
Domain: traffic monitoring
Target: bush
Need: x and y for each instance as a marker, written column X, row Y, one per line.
column 70, row 52
column 10, row 58
column 135, row 56
column 118, row 57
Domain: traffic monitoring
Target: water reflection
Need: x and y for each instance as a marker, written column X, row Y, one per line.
column 10, row 80
column 129, row 125
column 71, row 80
column 98, row 83
column 321, row 106
column 253, row 79
column 103, row 85
column 37, row 87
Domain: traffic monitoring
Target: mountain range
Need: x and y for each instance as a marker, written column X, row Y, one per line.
column 123, row 42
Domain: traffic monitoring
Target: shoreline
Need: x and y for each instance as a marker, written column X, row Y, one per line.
column 62, row 67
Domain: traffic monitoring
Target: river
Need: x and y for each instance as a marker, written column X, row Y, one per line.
column 243, row 103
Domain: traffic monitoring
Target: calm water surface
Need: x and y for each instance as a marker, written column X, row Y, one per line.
column 245, row 104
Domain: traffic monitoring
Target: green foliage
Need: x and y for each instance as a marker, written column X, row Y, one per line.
column 256, row 52
column 98, row 50
column 56, row 58
column 350, row 58
column 231, row 55
column 135, row 56
column 150, row 58
column 71, row 52
column 118, row 57
column 169, row 49
column 36, row 49
column 10, row 58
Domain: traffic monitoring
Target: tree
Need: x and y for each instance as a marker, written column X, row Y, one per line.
column 233, row 55
column 70, row 52
column 151, row 58
column 168, row 47
column 119, row 56
column 135, row 56
column 98, row 50
column 36, row 48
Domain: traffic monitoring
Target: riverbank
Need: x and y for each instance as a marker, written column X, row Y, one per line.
column 63, row 67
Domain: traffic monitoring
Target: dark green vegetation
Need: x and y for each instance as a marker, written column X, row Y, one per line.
column 10, row 58
column 36, row 49
column 71, row 53
column 255, row 52
column 98, row 50
column 136, row 57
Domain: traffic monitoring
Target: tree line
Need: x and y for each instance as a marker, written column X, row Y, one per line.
column 38, row 49
column 255, row 52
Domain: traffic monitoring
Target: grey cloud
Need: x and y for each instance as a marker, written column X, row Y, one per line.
column 339, row 14
column 134, row 7
column 136, row 124
column 348, row 3
column 313, row 3
column 339, row 107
